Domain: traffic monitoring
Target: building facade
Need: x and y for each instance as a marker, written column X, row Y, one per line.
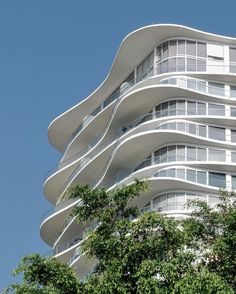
column 166, row 112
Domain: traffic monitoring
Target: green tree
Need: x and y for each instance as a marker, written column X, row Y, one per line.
column 143, row 252
column 44, row 275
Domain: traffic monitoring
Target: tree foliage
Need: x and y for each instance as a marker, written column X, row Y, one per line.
column 143, row 252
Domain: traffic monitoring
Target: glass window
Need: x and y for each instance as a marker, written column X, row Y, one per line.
column 201, row 49
column 180, row 107
column 165, row 53
column 201, row 64
column 164, row 66
column 234, row 182
column 191, row 108
column 191, row 84
column 180, row 64
column 232, row 68
column 191, row 64
column 202, row 130
column 162, row 173
column 172, row 64
column 163, row 154
column 202, row 177
column 201, row 86
column 216, row 89
column 180, row 200
column 181, row 126
column 192, row 129
column 172, row 125
column 191, row 154
column 191, row 48
column 201, row 108
column 191, row 175
column 171, row 173
column 216, row 154
column 232, row 54
column 181, row 173
column 216, row 133
column 158, row 111
column 201, row 154
column 145, row 69
column 172, row 107
column 181, row 47
column 217, row 180
column 233, row 111
column 159, row 52
column 164, row 109
column 233, row 91
column 215, row 109
column 171, row 201
column 233, row 136
column 173, row 48
column 180, row 152
column 233, row 156
column 171, row 153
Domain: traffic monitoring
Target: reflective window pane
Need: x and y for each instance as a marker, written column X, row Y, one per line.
column 216, row 154
column 216, row 133
column 192, row 129
column 172, row 64
column 202, row 130
column 215, row 109
column 180, row 64
column 172, row 107
column 201, row 108
column 233, row 111
column 232, row 54
column 173, row 48
column 216, row 89
column 233, row 136
column 201, row 154
column 233, row 91
column 201, row 64
column 171, row 173
column 201, row 86
column 181, row 173
column 172, row 153
column 191, row 175
column 233, row 156
column 181, row 47
column 202, row 177
column 180, row 152
column 165, row 50
column 201, row 49
column 234, row 182
column 217, row 180
column 181, row 107
column 191, row 108
column 191, row 64
column 191, row 153
column 191, row 48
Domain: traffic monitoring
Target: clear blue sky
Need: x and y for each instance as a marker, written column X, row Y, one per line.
column 52, row 54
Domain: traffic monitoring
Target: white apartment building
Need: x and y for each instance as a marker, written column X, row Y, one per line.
column 166, row 112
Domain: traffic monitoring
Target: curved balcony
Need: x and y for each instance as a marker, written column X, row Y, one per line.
column 69, row 169
column 214, row 89
column 216, row 134
column 134, row 46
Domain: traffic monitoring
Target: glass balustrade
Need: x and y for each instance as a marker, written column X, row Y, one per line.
column 178, row 201
column 199, row 109
column 175, row 153
column 58, row 208
column 75, row 240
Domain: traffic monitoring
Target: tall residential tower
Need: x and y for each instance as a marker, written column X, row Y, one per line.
column 166, row 112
